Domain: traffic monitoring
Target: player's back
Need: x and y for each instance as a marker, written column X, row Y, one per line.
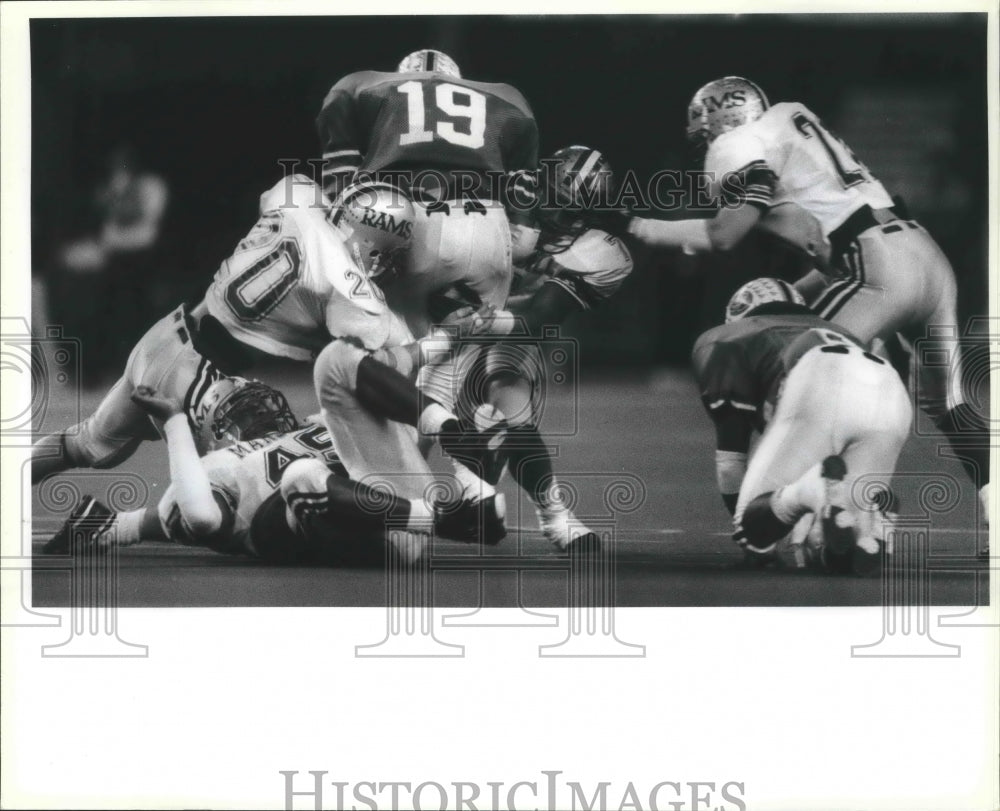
column 742, row 364
column 813, row 167
column 246, row 473
column 289, row 281
column 415, row 121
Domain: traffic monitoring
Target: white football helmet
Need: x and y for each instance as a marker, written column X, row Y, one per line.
column 235, row 409
column 723, row 105
column 375, row 220
column 429, row 61
column 757, row 292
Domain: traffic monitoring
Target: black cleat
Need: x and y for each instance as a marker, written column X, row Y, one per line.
column 81, row 530
column 472, row 521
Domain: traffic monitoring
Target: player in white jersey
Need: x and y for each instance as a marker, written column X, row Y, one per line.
column 212, row 501
column 566, row 263
column 302, row 276
column 891, row 277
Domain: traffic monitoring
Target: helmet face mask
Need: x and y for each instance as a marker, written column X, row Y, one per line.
column 759, row 292
column 578, row 182
column 375, row 220
column 723, row 105
column 235, row 409
column 429, row 61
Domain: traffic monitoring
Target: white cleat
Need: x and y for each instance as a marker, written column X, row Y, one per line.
column 409, row 546
column 564, row 530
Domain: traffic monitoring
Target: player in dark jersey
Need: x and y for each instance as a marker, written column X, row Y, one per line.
column 423, row 117
column 449, row 141
column 825, row 407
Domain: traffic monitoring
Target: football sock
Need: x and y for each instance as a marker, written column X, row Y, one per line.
column 471, row 486
column 530, row 463
column 360, row 507
column 970, row 441
column 803, row 495
column 127, row 527
column 433, row 418
column 386, row 392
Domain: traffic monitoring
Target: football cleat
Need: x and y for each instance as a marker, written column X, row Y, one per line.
column 472, row 521
column 82, row 529
column 564, row 530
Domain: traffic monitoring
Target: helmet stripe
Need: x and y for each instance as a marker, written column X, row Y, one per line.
column 583, row 173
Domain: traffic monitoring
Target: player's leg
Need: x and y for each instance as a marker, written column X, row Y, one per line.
column 346, row 521
column 369, row 445
column 103, row 440
column 164, row 359
column 796, row 441
column 940, row 386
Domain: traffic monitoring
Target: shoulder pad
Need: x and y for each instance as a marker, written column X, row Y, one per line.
column 595, row 252
column 294, row 191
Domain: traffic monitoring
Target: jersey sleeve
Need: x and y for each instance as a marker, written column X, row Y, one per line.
column 592, row 268
column 339, row 134
column 724, row 377
column 737, row 161
column 519, row 137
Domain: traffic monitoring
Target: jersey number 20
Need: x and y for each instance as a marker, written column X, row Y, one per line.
column 454, row 102
column 261, row 287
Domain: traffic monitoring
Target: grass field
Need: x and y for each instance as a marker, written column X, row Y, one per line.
column 672, row 546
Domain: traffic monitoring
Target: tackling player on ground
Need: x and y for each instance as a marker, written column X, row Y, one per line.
column 891, row 277
column 212, row 501
column 829, row 412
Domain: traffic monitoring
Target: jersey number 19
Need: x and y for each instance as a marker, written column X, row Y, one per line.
column 451, row 100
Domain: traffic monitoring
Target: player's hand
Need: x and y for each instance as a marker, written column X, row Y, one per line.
column 162, row 408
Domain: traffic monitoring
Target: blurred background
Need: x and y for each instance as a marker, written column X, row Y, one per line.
column 153, row 138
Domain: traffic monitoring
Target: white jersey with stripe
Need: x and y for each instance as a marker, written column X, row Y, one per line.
column 788, row 155
column 291, row 285
column 591, row 269
column 243, row 475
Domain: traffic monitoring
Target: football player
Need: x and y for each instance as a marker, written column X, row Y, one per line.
column 303, row 274
column 212, row 500
column 451, row 142
column 567, row 264
column 829, row 412
column 893, row 277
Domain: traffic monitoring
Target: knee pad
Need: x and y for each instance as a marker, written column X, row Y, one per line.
column 336, row 367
